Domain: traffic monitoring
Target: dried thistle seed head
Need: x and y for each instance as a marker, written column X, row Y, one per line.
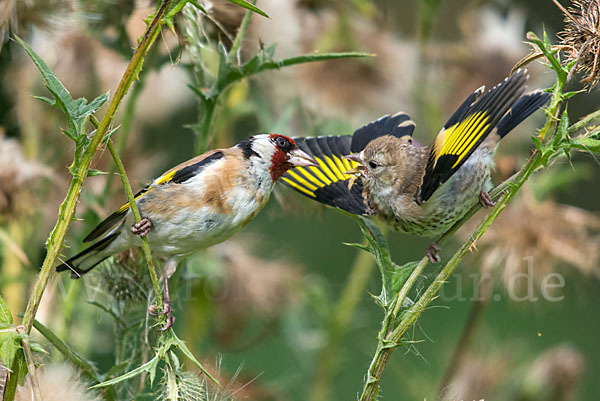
column 554, row 375
column 57, row 383
column 17, row 176
column 189, row 386
column 125, row 279
column 546, row 233
column 479, row 375
column 18, row 17
column 581, row 38
column 262, row 286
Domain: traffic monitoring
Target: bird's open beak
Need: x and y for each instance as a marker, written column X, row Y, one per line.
column 355, row 157
column 298, row 158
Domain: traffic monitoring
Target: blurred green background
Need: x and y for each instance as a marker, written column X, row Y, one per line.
column 263, row 302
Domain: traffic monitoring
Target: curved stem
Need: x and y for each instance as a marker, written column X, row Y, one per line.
column 393, row 335
column 138, row 217
column 341, row 317
column 466, row 337
column 67, row 209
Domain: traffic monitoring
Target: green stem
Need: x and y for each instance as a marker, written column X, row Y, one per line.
column 239, row 38
column 67, row 209
column 341, row 317
column 124, row 130
column 204, row 136
column 461, row 350
column 72, row 356
column 35, row 384
column 394, row 336
column 306, row 58
column 391, row 334
column 138, row 217
column 584, row 122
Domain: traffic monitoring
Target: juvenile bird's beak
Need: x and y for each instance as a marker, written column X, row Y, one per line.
column 298, row 158
column 355, row 157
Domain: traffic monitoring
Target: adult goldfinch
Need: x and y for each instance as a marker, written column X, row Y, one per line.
column 196, row 204
column 421, row 190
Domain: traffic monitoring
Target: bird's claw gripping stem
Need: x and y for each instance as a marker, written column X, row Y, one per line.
column 142, row 228
column 433, row 253
column 166, row 307
column 485, row 199
column 166, row 310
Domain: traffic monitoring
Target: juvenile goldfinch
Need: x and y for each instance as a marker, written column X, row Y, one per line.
column 421, row 190
column 196, row 204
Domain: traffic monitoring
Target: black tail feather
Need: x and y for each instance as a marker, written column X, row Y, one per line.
column 87, row 259
column 523, row 108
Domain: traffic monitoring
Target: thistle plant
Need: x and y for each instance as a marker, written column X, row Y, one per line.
column 558, row 138
column 137, row 356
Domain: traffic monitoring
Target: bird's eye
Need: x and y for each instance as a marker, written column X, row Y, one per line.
column 373, row 165
column 281, row 143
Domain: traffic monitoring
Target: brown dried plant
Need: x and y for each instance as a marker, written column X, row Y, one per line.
column 551, row 234
column 581, row 38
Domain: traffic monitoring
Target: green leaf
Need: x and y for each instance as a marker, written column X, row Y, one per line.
column 69, row 353
column 306, row 58
column 585, row 143
column 92, row 172
column 224, row 67
column 536, row 141
column 379, row 248
column 401, row 274
column 562, row 131
column 10, row 341
column 5, row 315
column 198, row 6
column 76, row 110
column 362, row 247
column 109, row 134
column 96, row 103
column 249, row 6
column 10, row 344
column 568, row 95
column 36, row 347
column 172, row 388
column 149, row 367
column 185, row 350
column 546, row 48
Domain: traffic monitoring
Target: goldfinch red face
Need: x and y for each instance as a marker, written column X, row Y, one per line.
column 280, row 153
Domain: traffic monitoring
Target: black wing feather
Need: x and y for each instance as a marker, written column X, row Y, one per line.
column 190, row 171
column 178, row 177
column 327, row 183
column 323, row 183
column 443, row 163
column 398, row 125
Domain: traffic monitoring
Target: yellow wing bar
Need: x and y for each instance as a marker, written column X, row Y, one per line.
column 309, row 179
column 160, row 180
column 458, row 139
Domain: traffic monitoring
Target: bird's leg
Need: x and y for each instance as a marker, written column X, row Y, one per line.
column 166, row 307
column 142, row 228
column 485, row 199
column 433, row 252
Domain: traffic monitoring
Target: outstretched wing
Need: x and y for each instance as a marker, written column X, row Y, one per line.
column 329, row 183
column 177, row 175
column 467, row 128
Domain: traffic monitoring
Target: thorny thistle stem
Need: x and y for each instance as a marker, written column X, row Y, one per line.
column 138, row 217
column 393, row 330
column 67, row 208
